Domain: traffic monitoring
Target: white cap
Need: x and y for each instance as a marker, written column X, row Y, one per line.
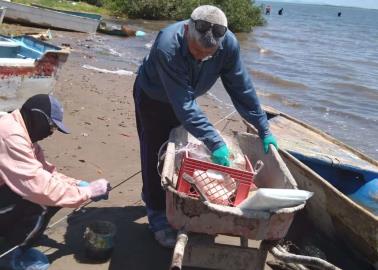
column 210, row 14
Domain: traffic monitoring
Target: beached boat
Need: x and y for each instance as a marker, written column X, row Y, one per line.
column 49, row 18
column 335, row 172
column 194, row 214
column 27, row 67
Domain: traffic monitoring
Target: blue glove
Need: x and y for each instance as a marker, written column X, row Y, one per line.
column 82, row 183
column 269, row 140
column 221, row 156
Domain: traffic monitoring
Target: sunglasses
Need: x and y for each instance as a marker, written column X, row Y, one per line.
column 52, row 125
column 204, row 26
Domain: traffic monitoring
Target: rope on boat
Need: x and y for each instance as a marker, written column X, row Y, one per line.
column 281, row 254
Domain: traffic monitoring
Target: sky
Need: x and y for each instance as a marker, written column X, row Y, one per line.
column 373, row 4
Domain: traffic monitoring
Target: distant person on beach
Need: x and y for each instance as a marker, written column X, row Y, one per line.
column 280, row 11
column 267, row 10
column 185, row 61
column 339, row 14
column 31, row 189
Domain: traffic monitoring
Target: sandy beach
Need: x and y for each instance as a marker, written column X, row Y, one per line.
column 99, row 111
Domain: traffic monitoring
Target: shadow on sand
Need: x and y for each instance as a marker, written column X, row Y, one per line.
column 134, row 246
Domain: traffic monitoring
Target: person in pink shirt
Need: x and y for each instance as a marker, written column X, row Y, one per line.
column 31, row 189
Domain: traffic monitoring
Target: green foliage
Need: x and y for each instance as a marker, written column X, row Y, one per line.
column 241, row 14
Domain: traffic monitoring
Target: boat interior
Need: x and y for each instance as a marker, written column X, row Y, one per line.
column 23, row 47
column 354, row 174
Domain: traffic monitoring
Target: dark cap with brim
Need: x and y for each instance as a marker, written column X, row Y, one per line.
column 56, row 114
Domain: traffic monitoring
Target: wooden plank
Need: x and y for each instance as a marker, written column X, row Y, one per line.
column 201, row 251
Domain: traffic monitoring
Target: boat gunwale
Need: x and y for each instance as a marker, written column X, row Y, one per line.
column 321, row 133
column 315, row 175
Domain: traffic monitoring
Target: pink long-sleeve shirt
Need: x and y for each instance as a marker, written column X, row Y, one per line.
column 25, row 171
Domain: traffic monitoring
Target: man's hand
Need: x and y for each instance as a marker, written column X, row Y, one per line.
column 99, row 189
column 82, row 183
column 221, row 156
column 269, row 140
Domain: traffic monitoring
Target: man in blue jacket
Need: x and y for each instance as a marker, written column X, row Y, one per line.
column 183, row 64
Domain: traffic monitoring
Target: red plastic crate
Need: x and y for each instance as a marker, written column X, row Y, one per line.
column 230, row 194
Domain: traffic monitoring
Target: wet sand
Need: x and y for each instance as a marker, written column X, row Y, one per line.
column 103, row 143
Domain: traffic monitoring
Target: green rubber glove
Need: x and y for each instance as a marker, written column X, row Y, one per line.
column 269, row 140
column 221, row 156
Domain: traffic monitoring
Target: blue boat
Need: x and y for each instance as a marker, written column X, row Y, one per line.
column 344, row 182
column 28, row 66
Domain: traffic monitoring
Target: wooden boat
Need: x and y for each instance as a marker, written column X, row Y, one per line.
column 333, row 171
column 76, row 13
column 49, row 18
column 194, row 215
column 27, row 67
column 116, row 30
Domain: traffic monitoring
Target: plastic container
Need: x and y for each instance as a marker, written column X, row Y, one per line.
column 99, row 240
column 367, row 195
column 228, row 192
column 275, row 198
column 30, row 259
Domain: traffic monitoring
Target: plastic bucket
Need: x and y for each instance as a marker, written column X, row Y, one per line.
column 99, row 240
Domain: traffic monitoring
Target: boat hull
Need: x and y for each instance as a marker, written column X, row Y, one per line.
column 46, row 18
column 199, row 217
column 330, row 210
column 21, row 78
column 15, row 91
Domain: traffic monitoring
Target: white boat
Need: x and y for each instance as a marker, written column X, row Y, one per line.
column 27, row 67
column 49, row 18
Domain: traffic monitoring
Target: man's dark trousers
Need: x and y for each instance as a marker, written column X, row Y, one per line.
column 17, row 224
column 154, row 120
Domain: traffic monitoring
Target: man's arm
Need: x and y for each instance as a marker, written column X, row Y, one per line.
column 51, row 168
column 180, row 94
column 239, row 86
column 25, row 175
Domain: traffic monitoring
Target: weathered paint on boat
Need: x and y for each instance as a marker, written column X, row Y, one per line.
column 47, row 18
column 27, row 67
column 330, row 210
column 76, row 13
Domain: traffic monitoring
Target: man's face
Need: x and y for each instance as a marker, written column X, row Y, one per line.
column 196, row 50
column 199, row 53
